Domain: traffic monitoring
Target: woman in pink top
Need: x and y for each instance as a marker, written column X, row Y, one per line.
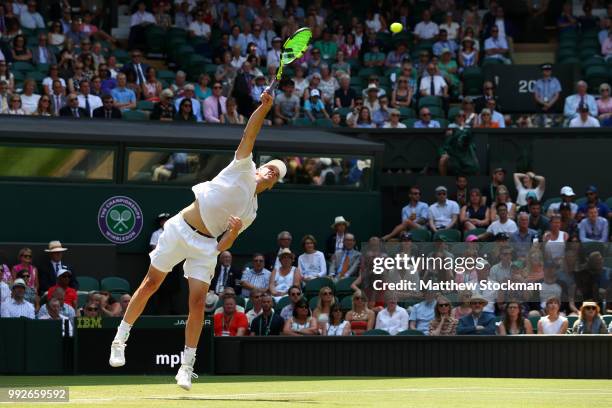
column 25, row 259
column 604, row 105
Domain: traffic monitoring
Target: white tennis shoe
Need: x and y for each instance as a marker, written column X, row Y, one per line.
column 117, row 354
column 184, row 376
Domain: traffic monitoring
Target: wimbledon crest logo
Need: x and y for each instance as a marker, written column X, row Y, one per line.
column 120, row 219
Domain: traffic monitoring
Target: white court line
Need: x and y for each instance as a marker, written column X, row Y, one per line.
column 186, row 396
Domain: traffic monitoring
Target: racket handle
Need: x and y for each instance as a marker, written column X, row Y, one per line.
column 271, row 87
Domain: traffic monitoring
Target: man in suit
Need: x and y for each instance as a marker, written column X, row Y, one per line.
column 88, row 101
column 72, row 110
column 345, row 262
column 283, row 239
column 49, row 270
column 137, row 67
column 58, row 97
column 226, row 274
column 42, row 54
column 107, row 110
column 478, row 322
column 335, row 242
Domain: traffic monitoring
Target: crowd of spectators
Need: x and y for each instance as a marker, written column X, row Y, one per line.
column 356, row 73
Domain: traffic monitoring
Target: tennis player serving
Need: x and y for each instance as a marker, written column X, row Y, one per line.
column 223, row 208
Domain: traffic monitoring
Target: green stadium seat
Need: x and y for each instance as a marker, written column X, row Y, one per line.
column 356, row 82
column 121, row 55
column 284, row 301
column 570, row 322
column 609, row 202
column 22, row 66
column 407, row 113
column 18, row 76
column 36, row 76
column 409, row 122
column 410, row 332
column 550, row 201
column 87, row 283
column 324, row 123
column 375, row 332
column 453, row 112
column 82, row 299
column 569, row 60
column 135, row 115
column 166, row 74
column 343, row 112
column 448, row 235
column 473, row 79
column 607, row 319
column 303, row 122
column 366, row 72
column 312, row 303
column 580, row 201
column 430, row 101
column 115, row 284
column 421, row 235
column 588, row 53
column 343, row 287
column 534, row 322
column 346, row 303
column 443, row 122
column 145, row 105
column 312, row 287
column 354, row 63
column 240, row 301
column 44, row 68
column 608, row 263
column 491, row 61
column 436, row 112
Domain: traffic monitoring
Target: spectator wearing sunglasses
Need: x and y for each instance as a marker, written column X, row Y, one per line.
column 443, row 324
column 91, row 310
column 444, row 213
column 478, row 322
column 301, row 323
column 65, row 309
column 295, row 294
column 25, row 264
column 425, row 121
column 107, row 110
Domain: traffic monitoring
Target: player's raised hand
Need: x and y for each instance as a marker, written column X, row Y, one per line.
column 267, row 100
column 234, row 223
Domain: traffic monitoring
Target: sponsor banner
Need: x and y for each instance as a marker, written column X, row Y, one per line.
column 120, row 219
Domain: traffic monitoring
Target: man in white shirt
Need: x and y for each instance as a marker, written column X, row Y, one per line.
column 496, row 46
column 5, row 292
column 142, row 17
column 42, row 54
column 16, row 305
column 584, row 119
column 393, row 318
column 495, row 115
column 444, row 213
column 88, row 101
column 273, row 57
column 426, row 29
column 30, row 18
column 199, row 28
column 502, row 225
column 223, row 208
column 433, row 84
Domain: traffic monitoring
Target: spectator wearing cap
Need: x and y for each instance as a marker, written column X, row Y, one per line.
column 125, row 98
column 314, row 107
column 286, row 104
column 547, row 89
column 444, row 213
column 274, row 55
column 226, row 275
column 574, row 102
column 593, row 228
column 30, row 18
column 444, row 43
column 160, row 220
column 478, row 322
column 526, row 183
column 16, row 305
column 496, row 46
column 593, row 199
column 584, row 119
column 335, row 242
column 63, row 279
column 415, row 215
column 489, row 192
column 502, row 225
column 426, row 29
column 567, row 196
column 425, row 121
column 432, row 83
column 30, row 292
column 196, row 108
column 107, row 110
column 394, row 120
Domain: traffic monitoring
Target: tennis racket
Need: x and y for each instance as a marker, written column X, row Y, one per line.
column 293, row 48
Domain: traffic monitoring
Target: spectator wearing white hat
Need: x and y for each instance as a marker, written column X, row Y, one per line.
column 16, row 305
column 335, row 242
column 48, row 271
column 314, row 107
column 567, row 196
column 63, row 279
column 584, row 118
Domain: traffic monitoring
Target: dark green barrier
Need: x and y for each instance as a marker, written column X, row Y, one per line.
column 144, row 322
column 31, row 346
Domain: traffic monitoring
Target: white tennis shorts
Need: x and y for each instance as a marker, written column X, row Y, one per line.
column 179, row 242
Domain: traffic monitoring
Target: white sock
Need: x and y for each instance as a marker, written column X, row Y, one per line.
column 123, row 332
column 189, row 356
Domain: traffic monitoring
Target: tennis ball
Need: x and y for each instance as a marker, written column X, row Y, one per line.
column 396, row 27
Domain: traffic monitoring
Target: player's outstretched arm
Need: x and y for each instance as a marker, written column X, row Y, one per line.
column 253, row 126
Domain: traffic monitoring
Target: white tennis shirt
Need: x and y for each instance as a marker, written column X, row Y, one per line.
column 231, row 192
